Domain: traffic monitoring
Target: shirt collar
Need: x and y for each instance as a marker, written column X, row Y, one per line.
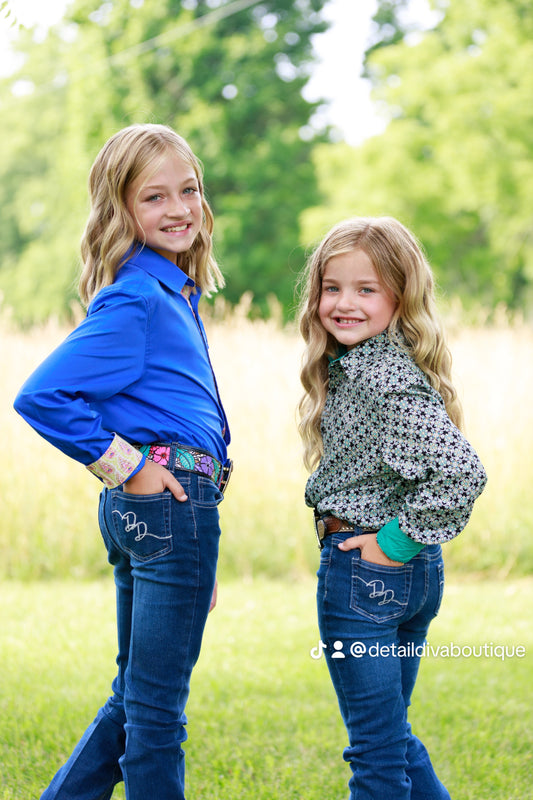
column 353, row 361
column 160, row 268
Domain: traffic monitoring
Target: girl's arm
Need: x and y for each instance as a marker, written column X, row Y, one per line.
column 433, row 467
column 101, row 357
column 98, row 360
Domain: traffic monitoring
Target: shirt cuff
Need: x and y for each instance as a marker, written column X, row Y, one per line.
column 119, row 462
column 396, row 544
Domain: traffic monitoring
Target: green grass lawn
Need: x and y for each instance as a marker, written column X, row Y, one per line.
column 263, row 718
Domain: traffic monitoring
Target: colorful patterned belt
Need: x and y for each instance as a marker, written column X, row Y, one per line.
column 190, row 459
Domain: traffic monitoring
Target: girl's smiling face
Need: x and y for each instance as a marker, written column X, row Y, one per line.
column 166, row 206
column 354, row 305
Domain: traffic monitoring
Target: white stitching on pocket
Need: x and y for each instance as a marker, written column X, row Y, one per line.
column 379, row 593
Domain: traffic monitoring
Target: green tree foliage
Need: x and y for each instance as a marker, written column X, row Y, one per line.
column 226, row 74
column 456, row 159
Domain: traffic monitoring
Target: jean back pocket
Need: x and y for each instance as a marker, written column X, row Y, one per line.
column 141, row 524
column 378, row 592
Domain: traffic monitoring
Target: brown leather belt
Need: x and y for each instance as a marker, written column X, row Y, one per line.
column 326, row 525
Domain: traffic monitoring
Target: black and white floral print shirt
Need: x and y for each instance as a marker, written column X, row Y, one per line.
column 390, row 449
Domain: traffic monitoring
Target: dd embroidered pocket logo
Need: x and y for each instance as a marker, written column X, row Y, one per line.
column 380, row 593
column 142, row 524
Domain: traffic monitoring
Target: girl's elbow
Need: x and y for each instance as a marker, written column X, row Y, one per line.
column 20, row 402
column 480, row 479
column 25, row 405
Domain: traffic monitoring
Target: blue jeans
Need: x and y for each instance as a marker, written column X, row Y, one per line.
column 373, row 621
column 164, row 554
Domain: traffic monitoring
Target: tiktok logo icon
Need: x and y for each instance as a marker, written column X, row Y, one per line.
column 316, row 652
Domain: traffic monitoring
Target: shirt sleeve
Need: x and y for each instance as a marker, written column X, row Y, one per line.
column 396, row 544
column 100, row 358
column 433, row 466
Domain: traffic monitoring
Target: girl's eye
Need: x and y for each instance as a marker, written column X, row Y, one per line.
column 153, row 197
column 330, row 289
column 367, row 290
column 190, row 190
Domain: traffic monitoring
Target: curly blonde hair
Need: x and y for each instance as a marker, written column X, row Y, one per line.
column 110, row 230
column 402, row 268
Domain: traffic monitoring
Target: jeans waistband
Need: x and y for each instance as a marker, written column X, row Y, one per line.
column 175, row 455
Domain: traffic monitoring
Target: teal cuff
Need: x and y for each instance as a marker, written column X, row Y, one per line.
column 396, row 544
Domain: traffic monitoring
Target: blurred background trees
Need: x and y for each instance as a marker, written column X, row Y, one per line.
column 454, row 162
column 456, row 159
column 227, row 76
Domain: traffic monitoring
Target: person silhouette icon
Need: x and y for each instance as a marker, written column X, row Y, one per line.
column 337, row 646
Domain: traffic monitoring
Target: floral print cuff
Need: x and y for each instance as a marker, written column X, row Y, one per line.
column 117, row 464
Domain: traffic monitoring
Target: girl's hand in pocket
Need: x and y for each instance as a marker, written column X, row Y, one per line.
column 153, row 479
column 367, row 543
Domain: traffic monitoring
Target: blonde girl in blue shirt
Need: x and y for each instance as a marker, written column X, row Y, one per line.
column 392, row 478
column 132, row 395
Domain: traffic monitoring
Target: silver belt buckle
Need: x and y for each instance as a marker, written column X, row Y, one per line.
column 320, row 530
column 225, row 475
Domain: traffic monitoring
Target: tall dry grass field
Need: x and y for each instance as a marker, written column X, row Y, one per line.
column 48, row 521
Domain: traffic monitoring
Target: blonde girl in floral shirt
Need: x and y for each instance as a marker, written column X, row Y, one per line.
column 392, row 478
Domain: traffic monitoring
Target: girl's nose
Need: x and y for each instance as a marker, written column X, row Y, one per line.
column 178, row 208
column 345, row 302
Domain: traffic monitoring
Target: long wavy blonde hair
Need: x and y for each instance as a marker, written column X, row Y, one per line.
column 110, row 230
column 403, row 269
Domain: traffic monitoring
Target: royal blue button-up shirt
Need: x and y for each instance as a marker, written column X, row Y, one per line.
column 138, row 366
